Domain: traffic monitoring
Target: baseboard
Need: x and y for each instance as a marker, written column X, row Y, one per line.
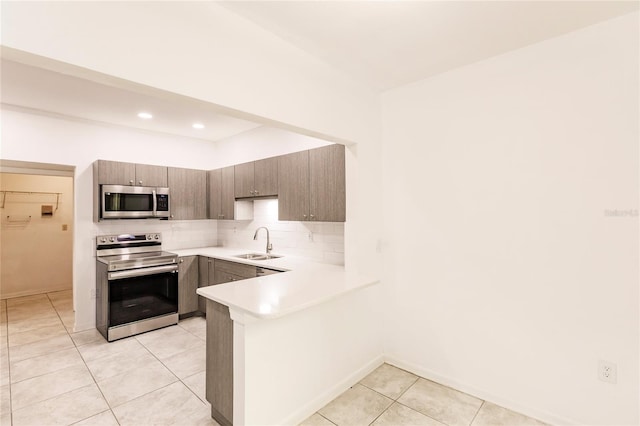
column 541, row 415
column 32, row 292
column 317, row 403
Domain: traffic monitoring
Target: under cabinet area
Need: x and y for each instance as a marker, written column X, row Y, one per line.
column 311, row 185
column 188, row 191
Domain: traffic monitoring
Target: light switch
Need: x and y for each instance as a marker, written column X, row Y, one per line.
column 65, row 227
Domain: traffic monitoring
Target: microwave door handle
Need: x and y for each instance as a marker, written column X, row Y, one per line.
column 155, row 203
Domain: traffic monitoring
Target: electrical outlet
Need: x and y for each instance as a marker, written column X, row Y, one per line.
column 607, row 371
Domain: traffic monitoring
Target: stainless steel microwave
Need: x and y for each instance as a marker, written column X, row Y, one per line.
column 133, row 202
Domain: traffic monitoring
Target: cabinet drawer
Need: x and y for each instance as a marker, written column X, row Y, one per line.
column 233, row 268
column 222, row 277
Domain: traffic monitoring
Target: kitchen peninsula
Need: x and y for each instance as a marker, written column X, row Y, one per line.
column 297, row 338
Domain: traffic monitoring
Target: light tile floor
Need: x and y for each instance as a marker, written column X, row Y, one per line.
column 390, row 396
column 52, row 376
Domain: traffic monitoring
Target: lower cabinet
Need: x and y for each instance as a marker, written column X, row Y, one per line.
column 205, row 278
column 219, row 370
column 187, row 284
column 225, row 271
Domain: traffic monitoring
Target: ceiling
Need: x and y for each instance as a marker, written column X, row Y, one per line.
column 391, row 43
column 382, row 43
column 39, row 89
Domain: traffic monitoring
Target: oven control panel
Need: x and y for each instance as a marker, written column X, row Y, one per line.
column 128, row 240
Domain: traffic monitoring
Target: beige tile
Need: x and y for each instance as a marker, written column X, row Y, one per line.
column 134, row 383
column 194, row 324
column 4, row 368
column 187, row 363
column 33, row 323
column 120, row 362
column 197, row 383
column 171, row 405
column 389, row 381
column 31, row 391
column 64, row 409
column 17, row 339
column 168, row 341
column 494, row 415
column 106, row 418
column 5, row 399
column 399, row 415
column 4, row 330
column 357, row 406
column 5, row 419
column 41, row 347
column 316, row 420
column 30, row 311
column 43, row 364
column 441, row 403
column 34, row 299
column 101, row 349
column 68, row 319
column 59, row 296
column 88, row 336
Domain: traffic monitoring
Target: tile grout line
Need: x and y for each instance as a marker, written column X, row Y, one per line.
column 477, row 412
column 87, row 367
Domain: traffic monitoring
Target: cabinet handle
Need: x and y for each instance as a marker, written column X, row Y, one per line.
column 256, row 192
column 139, row 182
column 304, row 215
column 251, row 192
column 171, row 216
column 312, row 216
column 130, row 182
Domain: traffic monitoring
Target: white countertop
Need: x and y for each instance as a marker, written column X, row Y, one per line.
column 304, row 283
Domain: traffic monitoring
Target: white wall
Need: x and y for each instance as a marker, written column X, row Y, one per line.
column 504, row 275
column 320, row 241
column 35, row 250
column 262, row 142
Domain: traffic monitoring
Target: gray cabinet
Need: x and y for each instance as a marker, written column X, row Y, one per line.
column 187, row 284
column 205, row 278
column 226, row 271
column 188, row 189
column 311, row 185
column 219, row 368
column 221, row 193
column 120, row 173
column 257, row 178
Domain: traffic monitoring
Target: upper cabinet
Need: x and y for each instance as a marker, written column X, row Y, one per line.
column 188, row 192
column 311, row 185
column 119, row 173
column 221, row 193
column 257, row 178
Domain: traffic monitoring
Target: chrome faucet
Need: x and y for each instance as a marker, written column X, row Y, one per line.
column 255, row 237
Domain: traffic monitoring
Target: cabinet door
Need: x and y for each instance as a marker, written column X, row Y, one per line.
column 215, row 193
column 266, row 177
column 227, row 198
column 147, row 175
column 293, row 186
column 116, row 173
column 187, row 284
column 205, row 278
column 219, row 371
column 188, row 193
column 327, row 201
column 244, row 186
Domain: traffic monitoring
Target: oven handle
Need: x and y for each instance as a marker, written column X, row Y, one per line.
column 141, row 272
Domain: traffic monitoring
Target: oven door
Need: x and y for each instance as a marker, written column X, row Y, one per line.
column 140, row 294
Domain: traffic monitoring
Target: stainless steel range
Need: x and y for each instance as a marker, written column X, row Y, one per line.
column 136, row 285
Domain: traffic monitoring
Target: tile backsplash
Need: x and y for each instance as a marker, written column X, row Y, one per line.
column 320, row 241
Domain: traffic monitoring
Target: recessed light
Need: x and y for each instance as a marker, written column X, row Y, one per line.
column 197, row 126
column 145, row 115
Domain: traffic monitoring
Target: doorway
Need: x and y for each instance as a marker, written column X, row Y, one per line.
column 36, row 234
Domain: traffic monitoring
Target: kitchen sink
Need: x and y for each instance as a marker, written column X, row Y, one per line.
column 257, row 256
